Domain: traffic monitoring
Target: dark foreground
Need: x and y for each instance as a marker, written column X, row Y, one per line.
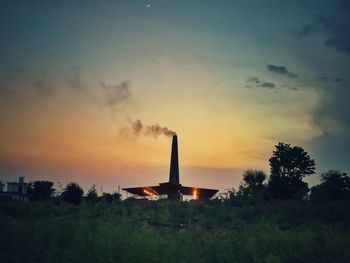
column 159, row 231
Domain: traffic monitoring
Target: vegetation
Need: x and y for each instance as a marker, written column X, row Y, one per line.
column 162, row 231
column 264, row 221
column 252, row 186
column 288, row 167
column 41, row 190
column 73, row 193
column 335, row 186
column 92, row 194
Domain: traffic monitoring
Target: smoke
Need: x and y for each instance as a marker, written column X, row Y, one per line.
column 154, row 130
column 116, row 93
column 119, row 98
column 137, row 127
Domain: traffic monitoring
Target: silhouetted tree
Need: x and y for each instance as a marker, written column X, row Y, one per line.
column 73, row 193
column 92, row 194
column 288, row 166
column 252, row 185
column 335, row 185
column 41, row 190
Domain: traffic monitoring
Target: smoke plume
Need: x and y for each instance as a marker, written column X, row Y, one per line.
column 154, row 130
column 118, row 98
column 116, row 93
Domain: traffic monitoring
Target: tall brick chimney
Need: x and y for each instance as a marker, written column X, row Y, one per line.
column 174, row 163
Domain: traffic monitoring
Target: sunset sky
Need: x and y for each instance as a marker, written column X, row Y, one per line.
column 231, row 78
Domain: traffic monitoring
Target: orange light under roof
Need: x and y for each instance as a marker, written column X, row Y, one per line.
column 148, row 192
column 195, row 194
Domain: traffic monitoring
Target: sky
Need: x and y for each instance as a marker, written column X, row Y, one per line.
column 91, row 91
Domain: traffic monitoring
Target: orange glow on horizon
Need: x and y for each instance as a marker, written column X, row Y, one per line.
column 70, row 132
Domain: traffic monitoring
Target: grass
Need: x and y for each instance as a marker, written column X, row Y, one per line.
column 162, row 231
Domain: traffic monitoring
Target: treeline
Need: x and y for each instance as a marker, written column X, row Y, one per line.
column 72, row 193
column 289, row 165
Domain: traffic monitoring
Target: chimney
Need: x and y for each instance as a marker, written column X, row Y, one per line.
column 174, row 163
column 21, row 179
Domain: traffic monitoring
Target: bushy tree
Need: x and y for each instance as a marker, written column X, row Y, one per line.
column 252, row 185
column 73, row 193
column 41, row 190
column 289, row 164
column 335, row 185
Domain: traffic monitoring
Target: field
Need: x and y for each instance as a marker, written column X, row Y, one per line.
column 162, row 231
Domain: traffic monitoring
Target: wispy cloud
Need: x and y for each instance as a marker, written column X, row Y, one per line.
column 330, row 79
column 281, row 70
column 338, row 30
column 305, row 31
column 257, row 83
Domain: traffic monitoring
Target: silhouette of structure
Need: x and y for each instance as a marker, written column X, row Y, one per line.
column 16, row 191
column 173, row 189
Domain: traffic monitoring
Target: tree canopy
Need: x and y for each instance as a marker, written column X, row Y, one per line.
column 291, row 161
column 73, row 193
column 252, row 183
column 288, row 165
column 335, row 185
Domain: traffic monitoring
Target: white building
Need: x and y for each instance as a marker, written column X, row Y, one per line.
column 16, row 191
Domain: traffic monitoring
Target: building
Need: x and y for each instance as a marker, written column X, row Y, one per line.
column 16, row 191
column 173, row 189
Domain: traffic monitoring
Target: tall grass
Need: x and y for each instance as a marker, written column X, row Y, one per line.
column 174, row 232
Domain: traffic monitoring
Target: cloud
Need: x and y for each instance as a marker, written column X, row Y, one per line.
column 74, row 78
column 305, row 31
column 338, row 30
column 338, row 80
column 332, row 115
column 44, row 89
column 323, row 78
column 116, row 94
column 336, row 27
column 281, row 70
column 267, row 85
column 18, row 82
column 253, row 80
column 294, row 88
column 330, row 79
column 256, row 82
